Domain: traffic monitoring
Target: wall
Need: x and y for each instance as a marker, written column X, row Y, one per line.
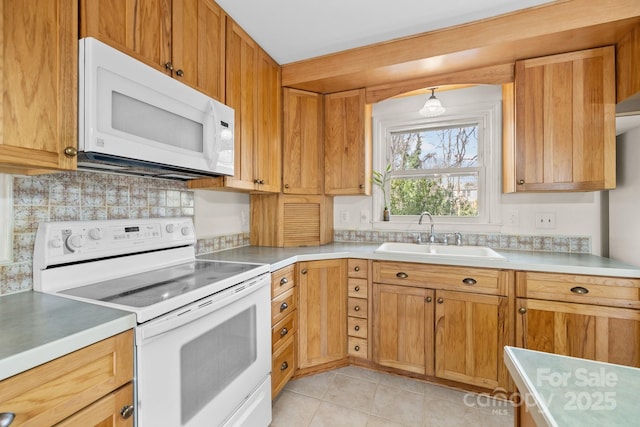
column 578, row 215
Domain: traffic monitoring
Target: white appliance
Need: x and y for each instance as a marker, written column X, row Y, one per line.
column 135, row 119
column 203, row 341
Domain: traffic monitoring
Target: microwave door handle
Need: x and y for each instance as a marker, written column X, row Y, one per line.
column 211, row 136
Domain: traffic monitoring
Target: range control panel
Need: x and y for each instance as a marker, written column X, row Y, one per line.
column 72, row 241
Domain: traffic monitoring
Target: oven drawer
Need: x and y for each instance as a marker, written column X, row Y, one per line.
column 282, row 305
column 357, row 308
column 282, row 330
column 282, row 280
column 284, row 364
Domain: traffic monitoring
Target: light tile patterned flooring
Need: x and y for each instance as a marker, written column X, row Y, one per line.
column 358, row 397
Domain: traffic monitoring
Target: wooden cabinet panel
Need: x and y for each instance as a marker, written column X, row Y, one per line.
column 357, row 287
column 358, row 327
column 358, row 347
column 470, row 333
column 283, row 365
column 282, row 280
column 358, row 268
column 322, row 309
column 105, row 412
column 39, row 92
column 357, row 307
column 283, row 304
column 284, row 329
column 303, row 154
column 51, row 392
column 565, row 123
column 627, row 75
column 606, row 334
column 403, row 328
column 347, row 144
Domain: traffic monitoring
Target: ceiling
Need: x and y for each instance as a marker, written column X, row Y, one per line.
column 294, row 30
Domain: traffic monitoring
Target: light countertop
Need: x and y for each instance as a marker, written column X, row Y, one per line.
column 569, row 391
column 36, row 328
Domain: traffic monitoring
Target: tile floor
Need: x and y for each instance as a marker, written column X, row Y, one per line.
column 358, row 397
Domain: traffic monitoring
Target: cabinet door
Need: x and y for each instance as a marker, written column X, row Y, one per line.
column 198, row 45
column 302, row 166
column 322, row 310
column 565, row 122
column 592, row 332
column 347, row 150
column 140, row 28
column 403, row 327
column 39, row 85
column 471, row 332
column 268, row 161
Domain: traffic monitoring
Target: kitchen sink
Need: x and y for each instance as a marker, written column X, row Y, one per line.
column 436, row 251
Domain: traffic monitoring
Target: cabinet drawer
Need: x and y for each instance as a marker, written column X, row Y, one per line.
column 357, row 307
column 282, row 305
column 357, row 288
column 357, row 327
column 49, row 393
column 284, row 329
column 283, row 365
column 282, row 280
column 107, row 408
column 357, row 347
column 357, row 268
column 598, row 290
column 479, row 280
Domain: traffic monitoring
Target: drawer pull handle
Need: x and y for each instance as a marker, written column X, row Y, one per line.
column 357, row 289
column 356, row 348
column 6, row 418
column 126, row 411
column 284, row 366
column 357, row 327
column 428, row 299
column 469, row 281
column 304, row 271
column 521, row 182
column 522, row 310
column 284, row 332
column 580, row 290
column 283, row 281
column 440, row 300
column 401, row 275
column 356, row 308
column 357, row 268
column 283, row 306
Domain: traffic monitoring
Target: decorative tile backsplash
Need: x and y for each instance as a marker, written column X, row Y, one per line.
column 72, row 196
column 573, row 244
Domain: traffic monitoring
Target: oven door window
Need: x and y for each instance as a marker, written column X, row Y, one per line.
column 212, row 361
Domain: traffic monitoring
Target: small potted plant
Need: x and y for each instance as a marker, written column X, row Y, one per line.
column 381, row 179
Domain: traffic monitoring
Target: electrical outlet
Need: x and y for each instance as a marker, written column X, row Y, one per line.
column 344, row 216
column 546, row 220
column 514, row 218
column 365, row 216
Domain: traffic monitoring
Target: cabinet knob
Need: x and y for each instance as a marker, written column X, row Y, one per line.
column 70, row 152
column 286, row 186
column 357, row 289
column 401, row 275
column 304, row 271
column 579, row 290
column 284, row 332
column 168, row 66
column 469, row 281
column 521, row 182
column 356, row 348
column 440, row 300
column 356, row 308
column 283, row 281
column 357, row 327
column 180, row 73
column 6, row 418
column 361, row 186
column 284, row 306
column 284, row 366
column 126, row 411
column 356, row 268
column 522, row 310
column 428, row 299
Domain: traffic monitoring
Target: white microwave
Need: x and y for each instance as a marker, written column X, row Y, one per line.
column 135, row 119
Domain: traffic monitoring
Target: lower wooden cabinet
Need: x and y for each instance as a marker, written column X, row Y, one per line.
column 78, row 385
column 322, row 307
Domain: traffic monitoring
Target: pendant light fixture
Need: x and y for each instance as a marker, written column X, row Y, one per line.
column 432, row 107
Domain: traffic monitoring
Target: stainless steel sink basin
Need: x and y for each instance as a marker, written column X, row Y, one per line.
column 437, row 251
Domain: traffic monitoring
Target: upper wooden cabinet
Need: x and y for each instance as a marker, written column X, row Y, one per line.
column 627, row 74
column 303, row 155
column 253, row 91
column 564, row 123
column 185, row 38
column 347, row 144
column 39, row 59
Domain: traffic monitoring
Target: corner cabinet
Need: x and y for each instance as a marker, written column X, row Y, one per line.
column 564, row 123
column 39, row 92
column 253, row 91
column 347, row 144
column 185, row 39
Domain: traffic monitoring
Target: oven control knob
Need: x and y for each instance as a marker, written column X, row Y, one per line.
column 56, row 242
column 75, row 241
column 170, row 228
column 96, row 233
column 185, row 230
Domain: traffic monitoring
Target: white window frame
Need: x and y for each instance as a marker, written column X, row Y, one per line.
column 6, row 219
column 489, row 119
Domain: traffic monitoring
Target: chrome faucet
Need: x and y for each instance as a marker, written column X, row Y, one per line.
column 432, row 237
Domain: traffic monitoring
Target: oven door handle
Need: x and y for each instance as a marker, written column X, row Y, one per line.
column 199, row 309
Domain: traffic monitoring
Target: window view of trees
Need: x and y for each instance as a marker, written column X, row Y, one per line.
column 436, row 170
